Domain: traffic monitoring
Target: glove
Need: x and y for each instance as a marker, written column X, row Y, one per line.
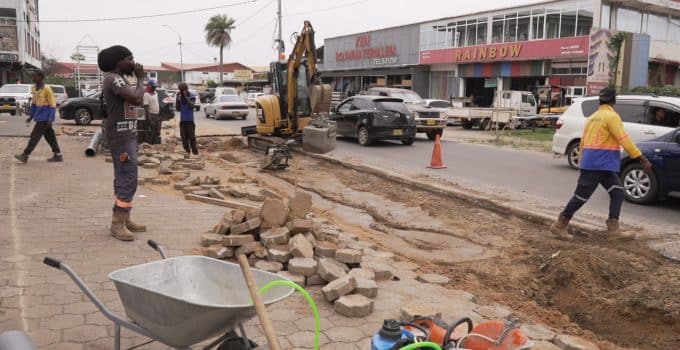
column 646, row 165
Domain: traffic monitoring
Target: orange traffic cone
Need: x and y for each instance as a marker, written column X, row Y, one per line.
column 437, row 162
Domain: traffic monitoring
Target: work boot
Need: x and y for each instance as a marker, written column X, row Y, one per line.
column 614, row 232
column 56, row 158
column 559, row 229
column 118, row 226
column 132, row 226
column 22, row 157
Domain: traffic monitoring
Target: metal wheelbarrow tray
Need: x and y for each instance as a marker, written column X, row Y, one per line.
column 184, row 300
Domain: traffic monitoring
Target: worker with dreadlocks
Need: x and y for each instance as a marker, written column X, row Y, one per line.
column 600, row 163
column 120, row 128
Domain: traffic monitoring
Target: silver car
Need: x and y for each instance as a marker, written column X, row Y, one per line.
column 227, row 106
column 59, row 93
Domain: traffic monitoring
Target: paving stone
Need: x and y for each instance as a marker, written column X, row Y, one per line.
column 256, row 197
column 237, row 180
column 302, row 266
column 141, row 181
column 247, row 226
column 344, row 334
column 201, row 192
column 195, row 166
column 433, row 278
column 237, row 192
column 405, row 265
column 299, row 226
column 208, row 239
column 164, row 168
column 304, row 340
column 270, row 194
column 274, row 212
column 213, row 180
column 248, row 248
column 362, row 273
column 568, row 342
column 153, row 160
column 331, row 235
column 325, row 249
column 220, row 252
column 348, row 236
column 160, row 181
column 181, row 185
column 339, row 287
column 382, row 270
column 210, row 187
column 318, row 232
column 179, row 175
column 191, row 189
column 300, row 204
column 194, row 180
column 275, row 236
column 493, row 312
column 237, row 240
column 315, row 280
column 299, row 279
column 348, row 256
column 538, row 332
column 84, row 333
column 415, row 309
column 269, row 266
column 233, row 217
column 544, row 345
column 301, row 248
column 354, row 306
column 366, row 287
column 279, row 253
column 214, row 193
column 141, row 159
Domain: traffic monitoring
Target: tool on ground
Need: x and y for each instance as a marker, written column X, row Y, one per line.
column 262, row 314
column 437, row 162
column 276, row 156
column 93, row 146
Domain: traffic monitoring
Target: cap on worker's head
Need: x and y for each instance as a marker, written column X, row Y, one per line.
column 109, row 57
column 608, row 95
column 151, row 83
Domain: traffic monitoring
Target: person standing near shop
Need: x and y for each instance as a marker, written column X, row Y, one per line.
column 43, row 112
column 120, row 126
column 152, row 109
column 187, row 127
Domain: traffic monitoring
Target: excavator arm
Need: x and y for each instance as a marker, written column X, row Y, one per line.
column 304, row 47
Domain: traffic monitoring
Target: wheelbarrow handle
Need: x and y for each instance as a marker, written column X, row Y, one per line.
column 157, row 247
column 52, row 262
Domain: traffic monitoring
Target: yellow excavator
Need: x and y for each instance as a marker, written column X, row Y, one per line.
column 298, row 98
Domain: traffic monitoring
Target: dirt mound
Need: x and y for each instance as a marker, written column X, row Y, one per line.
column 215, row 144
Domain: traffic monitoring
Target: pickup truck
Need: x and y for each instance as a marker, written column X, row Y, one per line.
column 14, row 96
column 510, row 108
column 430, row 121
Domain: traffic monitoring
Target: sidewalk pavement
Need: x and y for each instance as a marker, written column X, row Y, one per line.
column 14, row 125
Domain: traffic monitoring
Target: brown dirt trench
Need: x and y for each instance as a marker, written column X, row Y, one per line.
column 618, row 294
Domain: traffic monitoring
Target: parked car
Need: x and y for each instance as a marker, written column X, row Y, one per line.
column 225, row 91
column 428, row 120
column 197, row 100
column 13, row 96
column 82, row 110
column 227, row 106
column 664, row 153
column 371, row 118
column 644, row 118
column 250, row 99
column 207, row 95
column 166, row 97
column 445, row 107
column 59, row 93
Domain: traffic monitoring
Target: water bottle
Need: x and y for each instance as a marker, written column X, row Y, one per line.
column 387, row 336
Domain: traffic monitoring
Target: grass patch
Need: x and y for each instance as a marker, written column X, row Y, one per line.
column 540, row 135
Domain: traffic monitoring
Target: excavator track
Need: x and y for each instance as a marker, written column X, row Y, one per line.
column 259, row 143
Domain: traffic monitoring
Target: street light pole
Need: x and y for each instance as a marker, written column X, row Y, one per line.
column 181, row 63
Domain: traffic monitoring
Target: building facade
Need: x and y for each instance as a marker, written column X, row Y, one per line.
column 518, row 48
column 20, row 38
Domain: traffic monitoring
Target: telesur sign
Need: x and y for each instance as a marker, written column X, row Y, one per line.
column 362, row 50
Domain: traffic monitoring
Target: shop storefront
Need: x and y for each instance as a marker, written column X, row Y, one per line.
column 385, row 58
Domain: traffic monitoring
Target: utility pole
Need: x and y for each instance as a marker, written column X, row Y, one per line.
column 181, row 63
column 280, row 39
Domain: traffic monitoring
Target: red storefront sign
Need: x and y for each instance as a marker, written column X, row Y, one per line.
column 363, row 50
column 524, row 50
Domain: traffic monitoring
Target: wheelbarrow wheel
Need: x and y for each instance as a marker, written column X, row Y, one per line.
column 236, row 343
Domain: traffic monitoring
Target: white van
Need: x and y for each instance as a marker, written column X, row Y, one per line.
column 644, row 118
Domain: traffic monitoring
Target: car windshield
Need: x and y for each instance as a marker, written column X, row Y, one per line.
column 440, row 104
column 408, row 96
column 392, row 106
column 57, row 89
column 15, row 89
column 230, row 98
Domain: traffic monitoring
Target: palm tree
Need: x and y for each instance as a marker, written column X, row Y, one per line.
column 218, row 34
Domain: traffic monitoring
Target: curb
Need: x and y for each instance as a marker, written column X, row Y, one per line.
column 477, row 200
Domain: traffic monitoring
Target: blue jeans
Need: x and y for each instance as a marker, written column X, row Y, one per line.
column 587, row 183
column 125, row 172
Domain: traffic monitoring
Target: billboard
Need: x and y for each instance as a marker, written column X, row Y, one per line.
column 599, row 60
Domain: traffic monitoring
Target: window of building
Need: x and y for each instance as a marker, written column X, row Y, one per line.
column 8, row 12
column 523, row 23
column 460, row 33
column 497, row 29
column 656, row 26
column 471, row 35
column 628, row 20
column 552, row 26
column 584, row 21
column 675, row 29
column 481, row 31
column 537, row 24
column 510, row 31
column 605, row 16
column 568, row 23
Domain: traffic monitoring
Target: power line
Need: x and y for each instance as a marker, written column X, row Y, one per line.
column 141, row 17
column 256, row 13
column 326, row 9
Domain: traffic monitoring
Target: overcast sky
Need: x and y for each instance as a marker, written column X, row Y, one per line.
column 152, row 43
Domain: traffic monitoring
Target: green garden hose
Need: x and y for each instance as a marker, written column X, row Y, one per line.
column 427, row 345
column 315, row 311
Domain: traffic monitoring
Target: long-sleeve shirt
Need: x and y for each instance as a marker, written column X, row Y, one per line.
column 44, row 106
column 602, row 140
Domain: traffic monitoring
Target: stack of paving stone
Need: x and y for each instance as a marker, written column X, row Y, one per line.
column 282, row 238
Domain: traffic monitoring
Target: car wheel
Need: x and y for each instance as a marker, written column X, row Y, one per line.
column 363, row 137
column 408, row 141
column 467, row 125
column 485, row 124
column 573, row 154
column 12, row 112
column 83, row 116
column 639, row 186
column 244, row 117
column 432, row 135
column 206, row 113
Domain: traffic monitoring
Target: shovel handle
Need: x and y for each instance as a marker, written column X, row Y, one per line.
column 262, row 314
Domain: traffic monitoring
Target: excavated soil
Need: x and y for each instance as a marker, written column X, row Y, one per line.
column 613, row 293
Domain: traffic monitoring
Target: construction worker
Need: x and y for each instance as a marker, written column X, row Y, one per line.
column 120, row 126
column 152, row 109
column 187, row 127
column 43, row 112
column 600, row 163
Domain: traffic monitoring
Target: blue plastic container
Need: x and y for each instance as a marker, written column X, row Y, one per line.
column 388, row 336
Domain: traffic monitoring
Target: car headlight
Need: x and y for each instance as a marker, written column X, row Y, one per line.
column 415, row 115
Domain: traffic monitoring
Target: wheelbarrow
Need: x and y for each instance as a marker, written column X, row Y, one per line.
column 182, row 301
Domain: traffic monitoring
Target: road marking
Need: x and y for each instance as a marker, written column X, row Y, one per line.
column 15, row 239
column 4, row 121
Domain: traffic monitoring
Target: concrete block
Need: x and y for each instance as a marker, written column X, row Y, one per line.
column 214, row 193
column 201, row 192
column 279, row 253
column 302, row 266
column 165, row 168
column 208, row 239
column 256, row 197
column 300, row 204
column 330, row 270
column 367, row 288
column 341, row 286
column 269, row 266
column 299, row 279
column 275, row 236
column 354, row 306
column 325, row 249
column 538, row 332
column 237, row 180
column 219, row 251
column 362, row 273
column 315, row 280
column 191, row 189
column 300, row 247
column 247, row 226
column 382, row 270
column 299, row 226
column 348, row 256
column 237, row 240
column 433, row 278
column 160, row 181
column 274, row 212
column 248, row 248
column 193, row 180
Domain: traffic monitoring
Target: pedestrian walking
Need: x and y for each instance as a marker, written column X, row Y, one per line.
column 152, row 109
column 120, row 128
column 187, row 127
column 600, row 163
column 43, row 111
